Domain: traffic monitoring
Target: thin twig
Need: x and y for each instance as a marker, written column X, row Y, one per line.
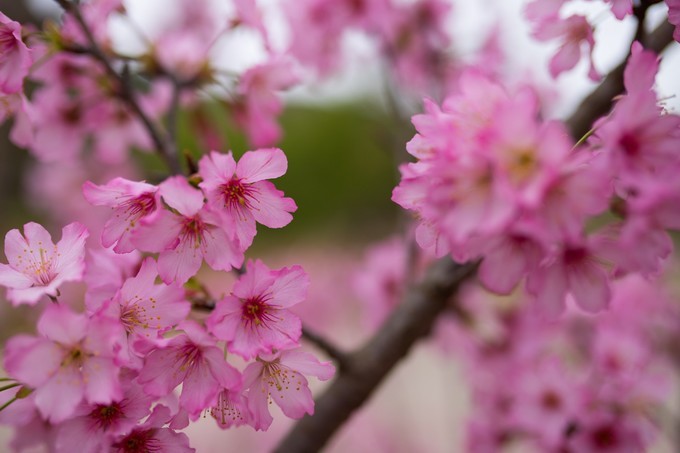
column 326, row 346
column 164, row 146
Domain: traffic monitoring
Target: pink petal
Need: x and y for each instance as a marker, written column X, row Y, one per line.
column 63, row 326
column 270, row 208
column 179, row 194
column 590, row 287
column 256, row 280
column 307, row 364
column 158, row 232
column 180, row 264
column 13, row 279
column 199, row 389
column 32, row 360
column 565, row 58
column 226, row 375
column 216, row 169
column 290, row 287
column 58, row 398
column 220, row 252
column 100, row 378
column 262, row 164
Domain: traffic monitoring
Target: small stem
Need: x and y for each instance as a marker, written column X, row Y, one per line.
column 7, row 403
column 9, row 386
column 6, row 379
column 326, row 346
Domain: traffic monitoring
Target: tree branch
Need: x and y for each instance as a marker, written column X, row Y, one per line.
column 599, row 102
column 326, row 346
column 165, row 147
column 367, row 367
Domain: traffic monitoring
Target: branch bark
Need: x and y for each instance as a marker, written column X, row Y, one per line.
column 368, row 367
column 599, row 102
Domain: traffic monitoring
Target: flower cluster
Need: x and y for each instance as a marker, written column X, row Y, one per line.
column 585, row 383
column 495, row 181
column 136, row 338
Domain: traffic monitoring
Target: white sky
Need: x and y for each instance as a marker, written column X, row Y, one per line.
column 362, row 76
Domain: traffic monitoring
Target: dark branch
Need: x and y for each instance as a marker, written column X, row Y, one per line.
column 164, row 146
column 599, row 102
column 338, row 356
column 368, row 367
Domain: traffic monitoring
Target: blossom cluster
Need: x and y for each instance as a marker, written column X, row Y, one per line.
column 495, row 181
column 97, row 375
column 585, row 383
column 138, row 364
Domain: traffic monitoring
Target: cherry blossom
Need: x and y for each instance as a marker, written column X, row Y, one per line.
column 185, row 236
column 193, row 360
column 15, row 56
column 37, row 267
column 280, row 378
column 75, row 359
column 240, row 194
column 131, row 201
column 255, row 318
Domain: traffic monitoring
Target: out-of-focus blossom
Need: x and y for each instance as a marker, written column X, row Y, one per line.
column 15, row 57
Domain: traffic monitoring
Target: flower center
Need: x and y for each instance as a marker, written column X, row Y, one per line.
column 257, row 311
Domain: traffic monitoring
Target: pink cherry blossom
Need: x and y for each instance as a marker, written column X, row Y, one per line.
column 152, row 436
column 191, row 359
column 94, row 426
column 75, row 359
column 240, row 193
column 575, row 33
column 280, row 378
column 381, row 280
column 255, row 317
column 638, row 138
column 148, row 309
column 37, row 267
column 231, row 409
column 15, row 57
column 131, row 201
column 259, row 106
column 105, row 273
column 575, row 269
column 185, row 236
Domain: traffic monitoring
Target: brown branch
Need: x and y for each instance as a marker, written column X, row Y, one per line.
column 165, row 147
column 338, row 356
column 599, row 102
column 368, row 367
